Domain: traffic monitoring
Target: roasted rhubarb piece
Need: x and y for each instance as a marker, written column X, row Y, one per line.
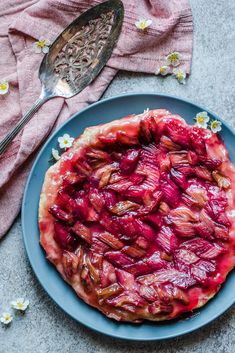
column 138, row 216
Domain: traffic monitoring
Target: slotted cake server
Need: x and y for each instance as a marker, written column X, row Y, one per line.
column 76, row 57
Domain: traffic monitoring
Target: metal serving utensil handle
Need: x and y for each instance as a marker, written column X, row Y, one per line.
column 23, row 121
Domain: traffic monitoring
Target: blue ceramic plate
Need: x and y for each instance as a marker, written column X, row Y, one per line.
column 102, row 112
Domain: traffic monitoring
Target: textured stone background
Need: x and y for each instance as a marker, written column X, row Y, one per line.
column 45, row 328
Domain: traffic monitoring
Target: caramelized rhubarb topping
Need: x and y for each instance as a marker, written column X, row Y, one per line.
column 142, row 220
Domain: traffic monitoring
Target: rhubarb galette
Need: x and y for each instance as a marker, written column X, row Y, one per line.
column 138, row 216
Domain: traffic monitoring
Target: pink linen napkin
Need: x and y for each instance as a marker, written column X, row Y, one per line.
column 25, row 21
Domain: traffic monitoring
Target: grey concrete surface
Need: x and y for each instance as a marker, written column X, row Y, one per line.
column 45, row 328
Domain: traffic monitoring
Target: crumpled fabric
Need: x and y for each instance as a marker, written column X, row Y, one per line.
column 25, row 21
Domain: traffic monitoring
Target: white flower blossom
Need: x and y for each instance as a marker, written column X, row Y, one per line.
column 4, row 86
column 55, row 154
column 163, row 70
column 20, row 304
column 216, row 126
column 6, row 318
column 173, row 58
column 65, row 141
column 143, row 23
column 42, row 45
column 202, row 119
column 180, row 75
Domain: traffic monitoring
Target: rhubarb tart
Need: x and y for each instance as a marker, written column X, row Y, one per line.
column 137, row 216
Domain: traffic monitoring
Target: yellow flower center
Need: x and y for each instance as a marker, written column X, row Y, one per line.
column 142, row 24
column 162, row 70
column 66, row 142
column 7, row 317
column 3, row 86
column 41, row 43
column 200, row 119
column 20, row 305
column 174, row 57
column 214, row 124
column 179, row 76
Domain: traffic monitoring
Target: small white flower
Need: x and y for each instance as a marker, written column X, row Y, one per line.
column 180, row 75
column 55, row 154
column 146, row 111
column 202, row 119
column 173, row 58
column 4, row 86
column 65, row 141
column 6, row 318
column 42, row 45
column 163, row 70
column 20, row 304
column 142, row 24
column 216, row 126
